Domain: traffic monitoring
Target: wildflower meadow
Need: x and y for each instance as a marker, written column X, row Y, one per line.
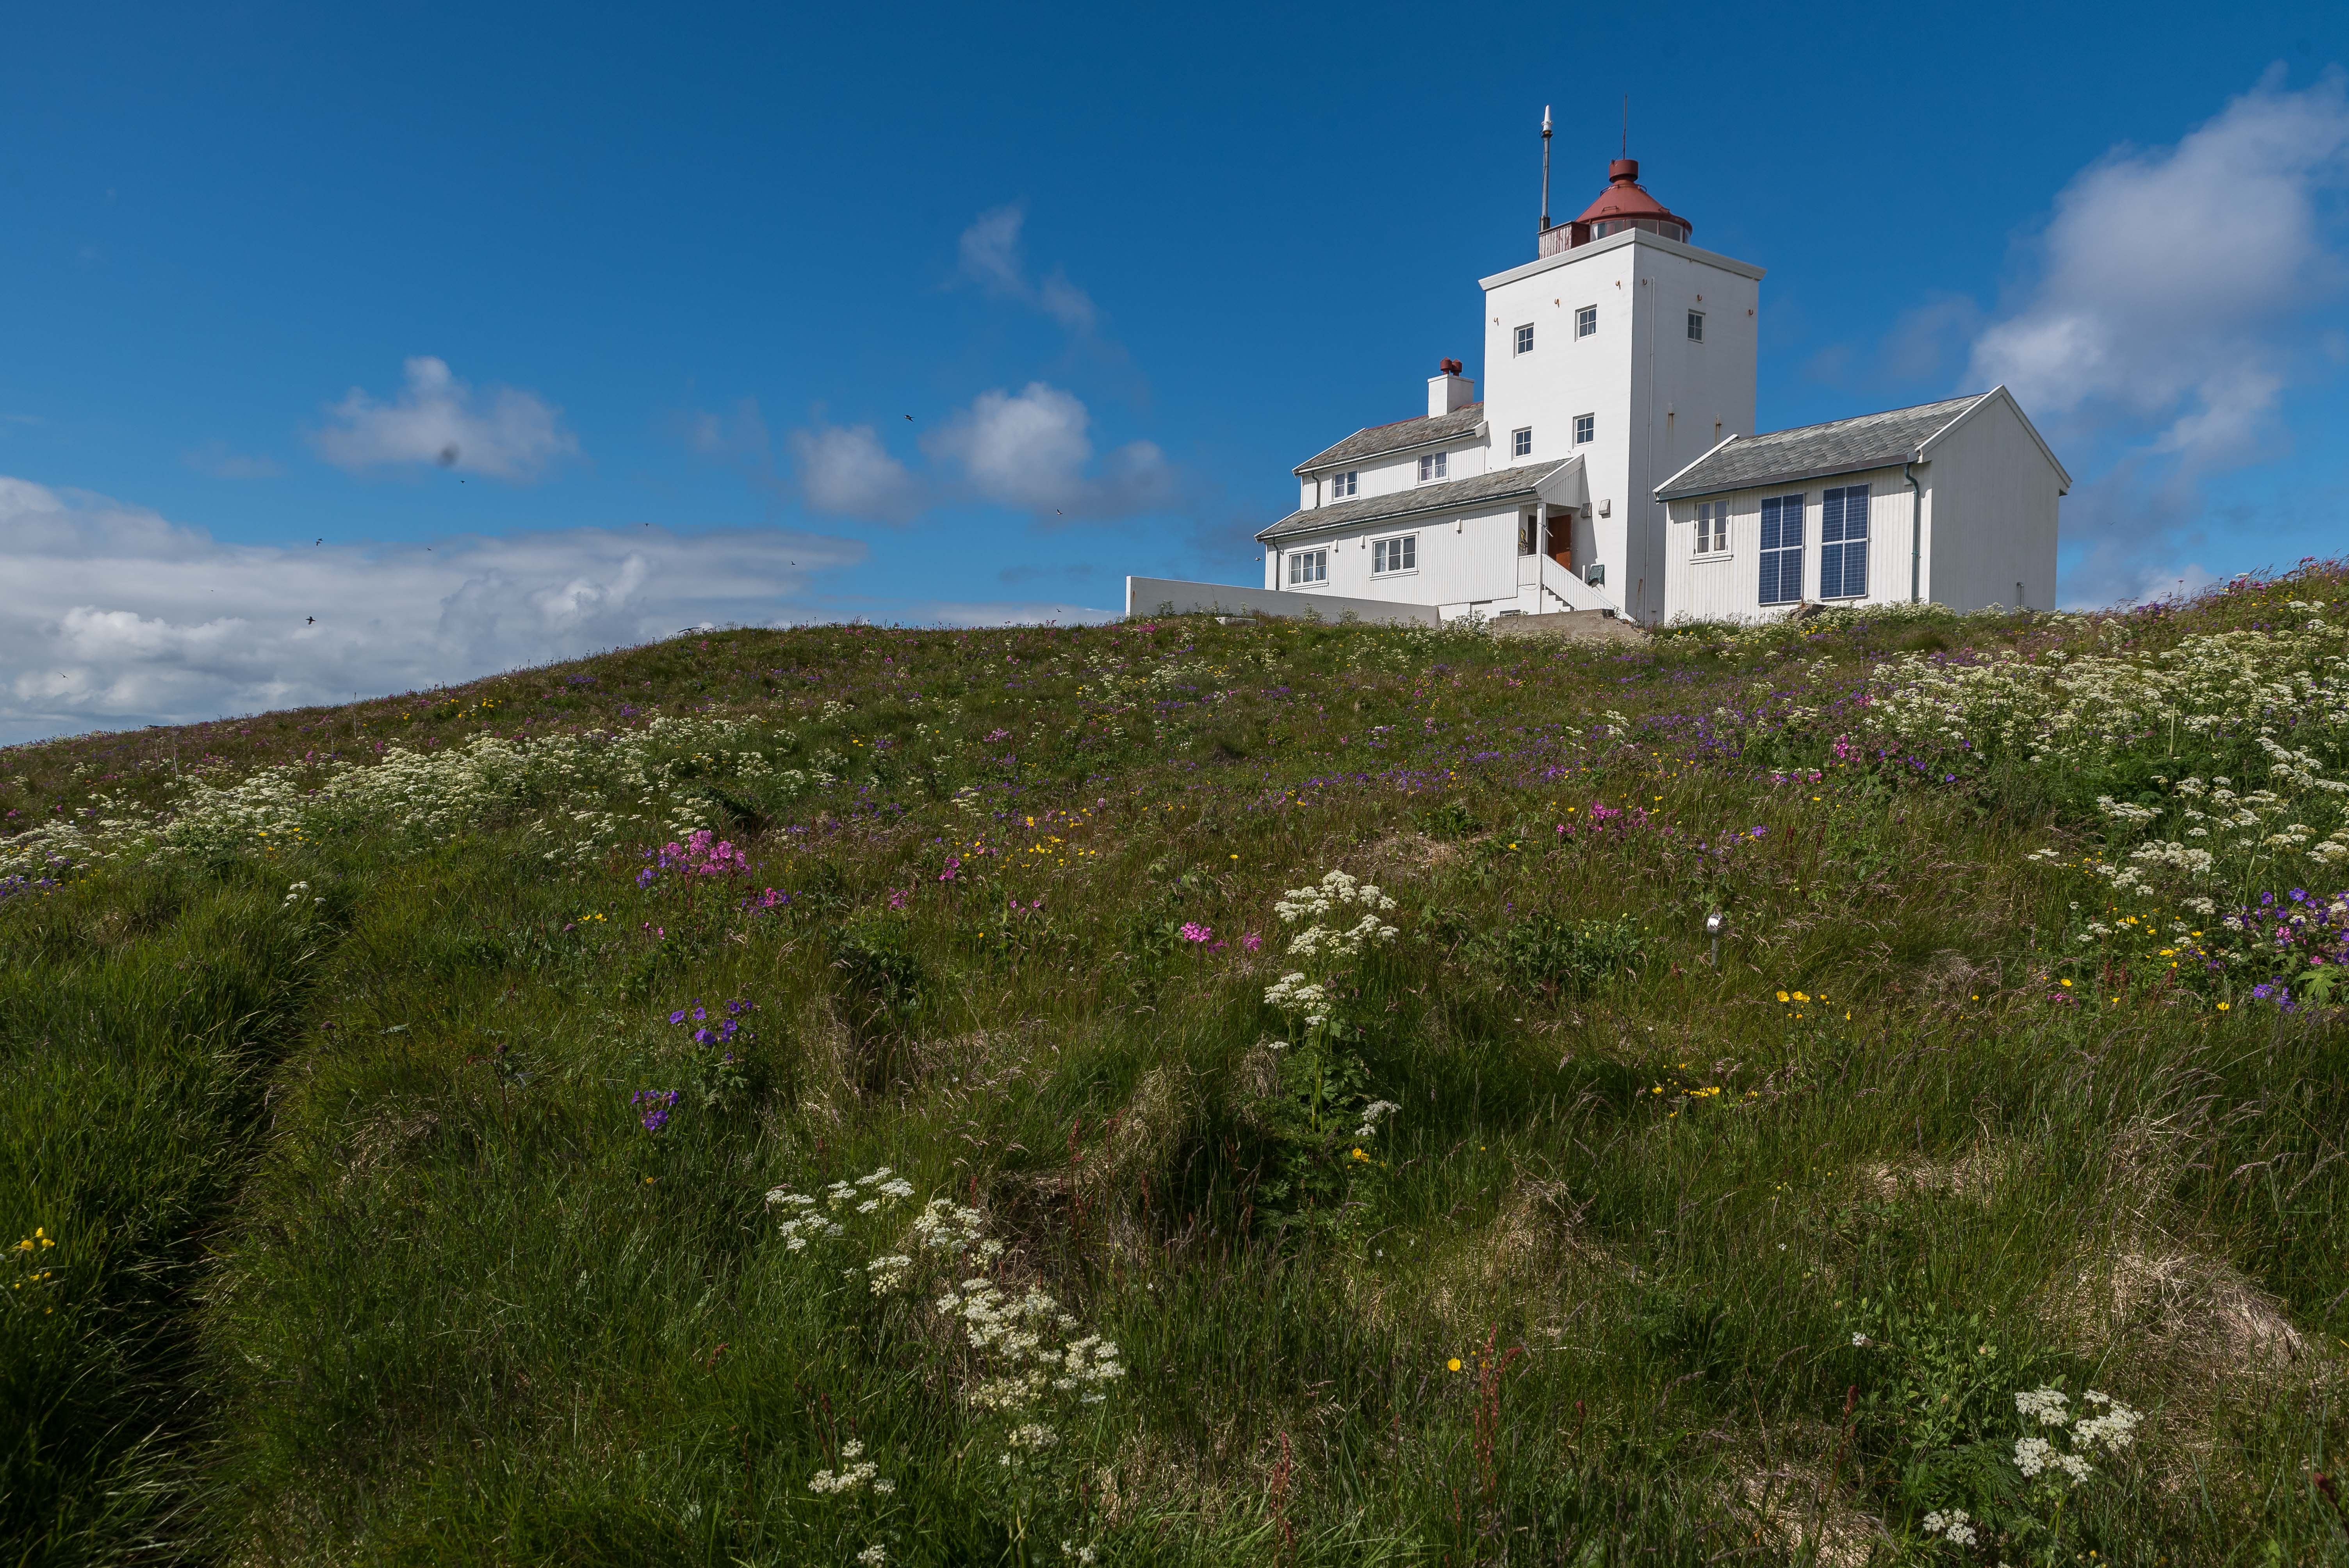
column 1871, row 1090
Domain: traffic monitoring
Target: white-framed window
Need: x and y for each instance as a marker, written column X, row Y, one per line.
column 1432, row 466
column 1526, row 338
column 1400, row 554
column 1586, row 430
column 1782, row 550
column 1306, row 566
column 1696, row 326
column 1586, row 321
column 1343, row 485
column 1711, row 527
column 1843, row 543
column 1521, row 441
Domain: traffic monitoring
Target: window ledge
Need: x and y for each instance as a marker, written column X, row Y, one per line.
column 1711, row 556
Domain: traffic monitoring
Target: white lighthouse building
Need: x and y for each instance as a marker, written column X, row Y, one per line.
column 1610, row 465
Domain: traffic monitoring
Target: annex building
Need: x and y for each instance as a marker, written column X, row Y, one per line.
column 1609, row 463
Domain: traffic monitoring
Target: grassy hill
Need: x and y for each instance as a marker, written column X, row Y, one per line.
column 1178, row 1092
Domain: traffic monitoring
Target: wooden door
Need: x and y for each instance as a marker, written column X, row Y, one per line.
column 1559, row 546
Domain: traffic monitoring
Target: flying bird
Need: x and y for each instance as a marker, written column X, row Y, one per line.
column 311, row 622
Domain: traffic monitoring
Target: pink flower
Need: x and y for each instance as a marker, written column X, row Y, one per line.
column 954, row 868
column 1251, row 941
column 1194, row 932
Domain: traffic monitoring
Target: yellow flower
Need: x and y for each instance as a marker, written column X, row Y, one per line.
column 1800, row 997
column 1453, row 1364
column 2222, row 1006
column 1783, row 997
column 2066, row 984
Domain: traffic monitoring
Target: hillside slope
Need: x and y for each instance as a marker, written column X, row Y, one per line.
column 1176, row 1092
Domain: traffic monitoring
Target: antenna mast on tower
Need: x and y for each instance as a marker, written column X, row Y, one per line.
column 1544, row 217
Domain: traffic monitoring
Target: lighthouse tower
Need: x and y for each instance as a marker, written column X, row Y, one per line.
column 1623, row 343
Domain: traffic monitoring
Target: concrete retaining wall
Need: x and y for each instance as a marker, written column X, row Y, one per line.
column 1173, row 596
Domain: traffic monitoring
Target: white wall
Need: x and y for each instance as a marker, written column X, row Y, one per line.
column 1993, row 517
column 1991, row 503
column 1717, row 587
column 1657, row 397
column 1465, row 457
column 1466, row 558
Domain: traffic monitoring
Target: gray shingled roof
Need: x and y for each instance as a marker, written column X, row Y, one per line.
column 1395, row 438
column 1838, row 447
column 1499, row 485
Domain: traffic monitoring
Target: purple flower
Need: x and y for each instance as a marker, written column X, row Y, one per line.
column 655, row 1103
column 644, row 877
column 678, row 1017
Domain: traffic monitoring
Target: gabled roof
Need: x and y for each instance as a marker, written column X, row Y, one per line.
column 1500, row 485
column 1812, row 452
column 1399, row 436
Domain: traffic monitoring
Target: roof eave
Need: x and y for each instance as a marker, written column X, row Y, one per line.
column 1314, row 465
column 1791, row 476
column 1440, row 508
column 2000, row 392
column 1616, row 241
column 1702, row 459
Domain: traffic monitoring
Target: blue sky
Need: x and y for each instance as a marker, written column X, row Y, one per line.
column 670, row 284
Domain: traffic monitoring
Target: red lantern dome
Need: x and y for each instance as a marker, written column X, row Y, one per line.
column 1626, row 204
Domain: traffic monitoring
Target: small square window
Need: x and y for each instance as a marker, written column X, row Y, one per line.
column 1343, row 485
column 1390, row 555
column 1711, row 527
column 1586, row 429
column 1696, row 326
column 1307, row 566
column 1521, row 443
column 1586, row 321
column 1526, row 339
column 1431, row 466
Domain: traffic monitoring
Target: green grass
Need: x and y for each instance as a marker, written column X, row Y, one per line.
column 364, row 1255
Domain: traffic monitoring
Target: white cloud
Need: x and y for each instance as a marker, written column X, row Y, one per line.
column 845, row 471
column 139, row 620
column 991, row 258
column 2177, row 294
column 503, row 432
column 990, row 250
column 1029, row 450
column 2172, row 282
column 2113, row 571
